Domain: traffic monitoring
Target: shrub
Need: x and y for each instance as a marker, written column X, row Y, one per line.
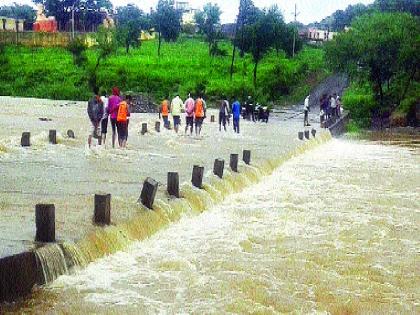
column 360, row 102
column 77, row 48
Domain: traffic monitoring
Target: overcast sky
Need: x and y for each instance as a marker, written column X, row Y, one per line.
column 310, row 10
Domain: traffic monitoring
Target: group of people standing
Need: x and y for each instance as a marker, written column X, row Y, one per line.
column 195, row 113
column 226, row 111
column 329, row 107
column 116, row 109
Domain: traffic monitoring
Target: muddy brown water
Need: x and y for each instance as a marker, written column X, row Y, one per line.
column 334, row 229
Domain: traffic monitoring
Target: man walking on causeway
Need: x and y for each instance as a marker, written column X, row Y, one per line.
column 113, row 104
column 95, row 112
column 236, row 112
column 177, row 107
column 122, row 121
column 164, row 112
column 306, row 112
column 223, row 113
column 200, row 114
column 189, row 114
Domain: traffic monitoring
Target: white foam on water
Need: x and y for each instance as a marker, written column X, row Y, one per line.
column 317, row 236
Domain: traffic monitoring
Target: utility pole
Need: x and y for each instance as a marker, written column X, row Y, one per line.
column 294, row 30
column 72, row 19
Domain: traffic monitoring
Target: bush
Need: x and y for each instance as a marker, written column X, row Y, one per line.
column 77, row 48
column 353, row 127
column 360, row 102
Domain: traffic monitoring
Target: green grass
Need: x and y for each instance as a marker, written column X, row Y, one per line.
column 184, row 66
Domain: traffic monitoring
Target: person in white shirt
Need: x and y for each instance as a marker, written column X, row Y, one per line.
column 333, row 104
column 104, row 121
column 177, row 106
column 306, row 112
column 338, row 106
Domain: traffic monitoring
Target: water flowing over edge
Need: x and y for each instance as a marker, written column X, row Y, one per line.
column 65, row 257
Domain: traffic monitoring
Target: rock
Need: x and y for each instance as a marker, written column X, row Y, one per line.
column 70, row 133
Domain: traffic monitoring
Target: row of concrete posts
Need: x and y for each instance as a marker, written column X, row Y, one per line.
column 45, row 213
column 306, row 134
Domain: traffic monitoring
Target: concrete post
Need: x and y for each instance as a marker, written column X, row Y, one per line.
column 70, row 134
column 45, row 223
column 212, row 119
column 234, row 162
column 157, row 126
column 197, row 176
column 102, row 214
column 148, row 193
column 313, row 132
column 18, row 275
column 25, row 141
column 307, row 134
column 173, row 184
column 218, row 167
column 53, row 136
column 246, row 157
column 143, row 128
column 300, row 135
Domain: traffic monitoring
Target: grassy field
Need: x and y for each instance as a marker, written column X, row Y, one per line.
column 183, row 66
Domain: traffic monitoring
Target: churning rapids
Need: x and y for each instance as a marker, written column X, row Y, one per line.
column 335, row 229
column 332, row 229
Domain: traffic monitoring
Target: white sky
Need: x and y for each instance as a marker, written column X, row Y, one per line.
column 310, row 10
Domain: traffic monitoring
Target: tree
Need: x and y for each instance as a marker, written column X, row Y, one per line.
column 106, row 46
column 260, row 36
column 17, row 11
column 166, row 21
column 207, row 21
column 77, row 48
column 130, row 22
column 381, row 48
column 284, row 40
column 283, row 34
column 410, row 6
column 247, row 15
column 88, row 13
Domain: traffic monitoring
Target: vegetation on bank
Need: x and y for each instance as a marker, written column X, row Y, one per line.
column 184, row 66
column 381, row 54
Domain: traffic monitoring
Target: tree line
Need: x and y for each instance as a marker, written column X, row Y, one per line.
column 381, row 53
column 342, row 18
column 257, row 31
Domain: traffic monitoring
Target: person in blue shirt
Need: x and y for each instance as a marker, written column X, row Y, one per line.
column 236, row 113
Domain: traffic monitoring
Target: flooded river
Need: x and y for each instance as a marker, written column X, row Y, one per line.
column 68, row 174
column 326, row 229
column 333, row 230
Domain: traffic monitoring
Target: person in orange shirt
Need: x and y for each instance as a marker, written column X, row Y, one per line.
column 122, row 121
column 164, row 112
column 199, row 114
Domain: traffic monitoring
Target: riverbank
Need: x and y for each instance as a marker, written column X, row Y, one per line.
column 183, row 67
